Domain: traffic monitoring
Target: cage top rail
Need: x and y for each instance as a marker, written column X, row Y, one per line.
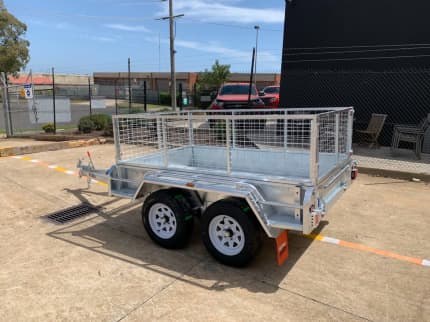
column 289, row 113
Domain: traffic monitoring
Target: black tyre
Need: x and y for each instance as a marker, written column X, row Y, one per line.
column 167, row 218
column 230, row 232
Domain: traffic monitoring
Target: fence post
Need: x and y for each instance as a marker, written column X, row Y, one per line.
column 129, row 86
column 116, row 97
column 89, row 96
column 9, row 111
column 144, row 96
column 53, row 100
column 7, row 122
column 180, row 97
column 195, row 95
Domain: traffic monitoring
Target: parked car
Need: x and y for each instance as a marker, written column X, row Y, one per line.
column 270, row 96
column 235, row 96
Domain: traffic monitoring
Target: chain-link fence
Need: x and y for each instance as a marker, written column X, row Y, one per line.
column 401, row 94
column 72, row 102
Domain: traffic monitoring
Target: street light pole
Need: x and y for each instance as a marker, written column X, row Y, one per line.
column 257, row 28
column 172, row 57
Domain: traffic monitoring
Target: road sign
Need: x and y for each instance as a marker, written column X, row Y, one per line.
column 28, row 91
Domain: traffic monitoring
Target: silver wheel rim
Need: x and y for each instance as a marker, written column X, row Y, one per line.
column 226, row 235
column 162, row 221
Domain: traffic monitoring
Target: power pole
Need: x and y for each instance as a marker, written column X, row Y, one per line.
column 172, row 18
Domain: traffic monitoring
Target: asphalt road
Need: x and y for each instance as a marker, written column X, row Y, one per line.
column 105, row 267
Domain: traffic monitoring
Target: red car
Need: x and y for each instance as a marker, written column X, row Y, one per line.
column 235, row 96
column 270, row 96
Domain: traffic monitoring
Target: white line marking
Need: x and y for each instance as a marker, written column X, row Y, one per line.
column 53, row 166
column 94, row 181
column 17, row 157
column 425, row 262
column 70, row 172
column 34, row 161
column 331, row 240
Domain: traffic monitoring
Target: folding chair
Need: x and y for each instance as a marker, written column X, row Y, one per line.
column 374, row 128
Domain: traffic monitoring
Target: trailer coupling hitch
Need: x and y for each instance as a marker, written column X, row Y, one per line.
column 86, row 170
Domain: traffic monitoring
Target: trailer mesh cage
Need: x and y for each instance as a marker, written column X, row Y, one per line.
column 299, row 143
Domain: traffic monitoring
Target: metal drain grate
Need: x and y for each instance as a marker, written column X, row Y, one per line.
column 67, row 215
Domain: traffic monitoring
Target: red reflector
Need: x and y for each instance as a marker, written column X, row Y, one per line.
column 282, row 248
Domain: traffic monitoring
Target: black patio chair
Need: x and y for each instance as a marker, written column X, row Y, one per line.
column 410, row 133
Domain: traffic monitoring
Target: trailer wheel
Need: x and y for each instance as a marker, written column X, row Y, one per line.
column 230, row 233
column 167, row 217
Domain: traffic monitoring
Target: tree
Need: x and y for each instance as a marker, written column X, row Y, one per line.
column 214, row 78
column 14, row 53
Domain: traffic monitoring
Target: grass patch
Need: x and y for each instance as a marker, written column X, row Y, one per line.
column 140, row 106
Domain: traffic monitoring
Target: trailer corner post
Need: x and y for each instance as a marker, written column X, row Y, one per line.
column 336, row 138
column 285, row 129
column 228, row 145
column 164, row 131
column 159, row 135
column 233, row 129
column 190, row 129
column 117, row 138
column 349, row 127
column 313, row 158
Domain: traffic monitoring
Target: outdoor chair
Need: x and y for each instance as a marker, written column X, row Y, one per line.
column 374, row 128
column 410, row 133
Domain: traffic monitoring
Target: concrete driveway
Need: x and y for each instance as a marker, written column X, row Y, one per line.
column 105, row 267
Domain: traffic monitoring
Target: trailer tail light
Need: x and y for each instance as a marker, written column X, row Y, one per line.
column 354, row 171
column 354, row 174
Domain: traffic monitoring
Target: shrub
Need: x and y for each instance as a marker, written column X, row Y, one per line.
column 49, row 128
column 108, row 131
column 98, row 122
column 101, row 121
column 86, row 125
column 165, row 99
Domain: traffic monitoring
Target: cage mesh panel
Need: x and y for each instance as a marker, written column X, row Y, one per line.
column 266, row 142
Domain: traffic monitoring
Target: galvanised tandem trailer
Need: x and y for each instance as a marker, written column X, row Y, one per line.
column 242, row 172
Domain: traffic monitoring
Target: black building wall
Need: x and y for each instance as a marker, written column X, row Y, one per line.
column 370, row 54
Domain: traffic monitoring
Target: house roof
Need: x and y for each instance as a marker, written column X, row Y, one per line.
column 37, row 80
